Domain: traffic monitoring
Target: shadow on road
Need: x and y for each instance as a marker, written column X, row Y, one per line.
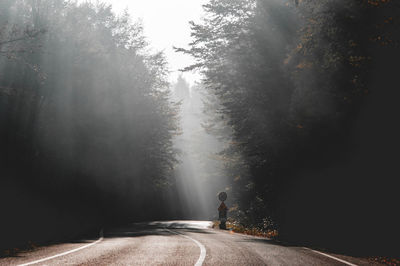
column 122, row 231
column 153, row 228
column 339, row 251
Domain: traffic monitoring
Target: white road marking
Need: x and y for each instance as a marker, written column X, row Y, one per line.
column 332, row 257
column 65, row 253
column 321, row 253
column 203, row 252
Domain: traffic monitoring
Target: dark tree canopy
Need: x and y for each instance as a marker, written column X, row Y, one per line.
column 86, row 120
column 292, row 78
column 299, row 105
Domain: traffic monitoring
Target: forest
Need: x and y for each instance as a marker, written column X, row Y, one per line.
column 309, row 90
column 298, row 98
column 86, row 121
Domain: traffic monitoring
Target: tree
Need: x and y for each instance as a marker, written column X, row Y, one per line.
column 291, row 77
column 93, row 118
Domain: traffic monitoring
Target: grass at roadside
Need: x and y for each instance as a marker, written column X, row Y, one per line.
column 254, row 231
column 385, row 260
column 236, row 227
column 14, row 251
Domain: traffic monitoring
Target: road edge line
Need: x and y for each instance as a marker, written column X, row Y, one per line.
column 67, row 252
column 332, row 257
column 203, row 251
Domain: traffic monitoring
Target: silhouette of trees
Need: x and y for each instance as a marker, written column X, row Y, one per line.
column 291, row 77
column 86, row 117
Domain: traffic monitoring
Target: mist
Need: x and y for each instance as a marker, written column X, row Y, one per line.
column 200, row 174
column 85, row 111
column 292, row 114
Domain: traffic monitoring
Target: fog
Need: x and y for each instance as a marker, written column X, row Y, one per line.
column 87, row 123
column 200, row 174
column 164, row 30
column 288, row 106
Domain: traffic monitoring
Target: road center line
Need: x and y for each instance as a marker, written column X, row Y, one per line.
column 201, row 246
column 67, row 252
column 332, row 257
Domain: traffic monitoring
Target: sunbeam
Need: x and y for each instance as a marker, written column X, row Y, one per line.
column 199, row 175
column 118, row 113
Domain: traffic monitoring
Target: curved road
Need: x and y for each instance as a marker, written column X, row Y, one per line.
column 176, row 243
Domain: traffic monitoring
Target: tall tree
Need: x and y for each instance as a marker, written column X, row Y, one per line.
column 291, row 77
column 88, row 113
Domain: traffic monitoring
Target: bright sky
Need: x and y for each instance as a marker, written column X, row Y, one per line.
column 166, row 24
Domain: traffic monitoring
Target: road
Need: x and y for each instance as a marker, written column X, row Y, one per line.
column 176, row 243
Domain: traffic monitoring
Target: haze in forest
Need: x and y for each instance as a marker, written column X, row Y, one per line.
column 290, row 107
column 166, row 25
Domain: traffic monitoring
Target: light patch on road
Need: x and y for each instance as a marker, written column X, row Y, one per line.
column 332, row 257
column 184, row 224
column 203, row 252
column 65, row 253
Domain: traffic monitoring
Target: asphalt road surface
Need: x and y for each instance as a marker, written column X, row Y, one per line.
column 176, row 243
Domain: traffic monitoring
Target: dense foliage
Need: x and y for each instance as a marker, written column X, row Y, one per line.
column 300, row 90
column 86, row 123
column 291, row 77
